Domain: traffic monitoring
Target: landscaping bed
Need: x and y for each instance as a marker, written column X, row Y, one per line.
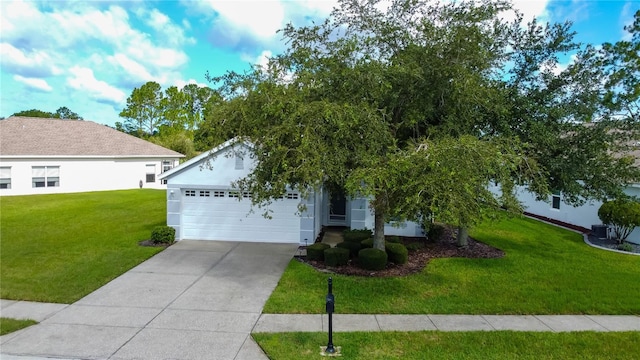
column 446, row 247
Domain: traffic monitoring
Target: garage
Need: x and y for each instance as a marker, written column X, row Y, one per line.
column 204, row 204
column 219, row 214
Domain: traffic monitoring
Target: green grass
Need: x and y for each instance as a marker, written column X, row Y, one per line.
column 10, row 325
column 454, row 345
column 59, row 248
column 546, row 270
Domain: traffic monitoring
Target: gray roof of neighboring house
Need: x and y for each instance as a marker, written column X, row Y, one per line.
column 34, row 137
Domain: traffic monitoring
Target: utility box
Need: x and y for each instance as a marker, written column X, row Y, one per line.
column 599, row 231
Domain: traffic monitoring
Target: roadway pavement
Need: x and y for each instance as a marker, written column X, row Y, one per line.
column 203, row 299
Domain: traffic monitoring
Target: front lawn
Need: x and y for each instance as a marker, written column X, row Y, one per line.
column 10, row 325
column 59, row 248
column 546, row 270
column 454, row 345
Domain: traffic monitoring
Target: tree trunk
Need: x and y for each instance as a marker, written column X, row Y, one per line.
column 463, row 235
column 378, row 231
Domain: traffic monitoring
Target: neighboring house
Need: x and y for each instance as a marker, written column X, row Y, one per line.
column 584, row 216
column 202, row 205
column 45, row 156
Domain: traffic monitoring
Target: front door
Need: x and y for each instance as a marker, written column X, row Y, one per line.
column 337, row 210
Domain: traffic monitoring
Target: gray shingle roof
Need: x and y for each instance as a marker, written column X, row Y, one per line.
column 25, row 136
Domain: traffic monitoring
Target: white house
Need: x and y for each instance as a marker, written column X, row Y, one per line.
column 202, row 205
column 584, row 216
column 46, row 156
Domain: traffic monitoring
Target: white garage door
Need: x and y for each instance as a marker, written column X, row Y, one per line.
column 218, row 215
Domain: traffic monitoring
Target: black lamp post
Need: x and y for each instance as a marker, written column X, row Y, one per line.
column 330, row 308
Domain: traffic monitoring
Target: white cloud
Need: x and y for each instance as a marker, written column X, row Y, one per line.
column 626, row 19
column 133, row 68
column 82, row 79
column 529, row 9
column 33, row 83
column 260, row 18
column 29, row 64
column 181, row 83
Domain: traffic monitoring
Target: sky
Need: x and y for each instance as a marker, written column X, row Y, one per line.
column 90, row 55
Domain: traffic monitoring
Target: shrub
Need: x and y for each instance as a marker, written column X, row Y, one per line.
column 622, row 214
column 163, row 235
column 356, row 235
column 372, row 259
column 397, row 253
column 336, row 256
column 435, row 232
column 393, row 239
column 414, row 246
column 353, row 247
column 625, row 247
column 316, row 251
column 366, row 244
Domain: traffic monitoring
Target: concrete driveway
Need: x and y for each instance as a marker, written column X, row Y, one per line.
column 195, row 300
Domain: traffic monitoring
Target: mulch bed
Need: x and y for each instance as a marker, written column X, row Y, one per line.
column 150, row 243
column 418, row 259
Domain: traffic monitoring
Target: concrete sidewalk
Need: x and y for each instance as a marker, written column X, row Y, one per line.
column 383, row 322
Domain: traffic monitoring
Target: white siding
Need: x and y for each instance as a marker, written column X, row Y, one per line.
column 226, row 218
column 585, row 215
column 80, row 175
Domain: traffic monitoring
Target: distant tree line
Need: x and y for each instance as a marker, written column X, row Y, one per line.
column 172, row 118
column 62, row 113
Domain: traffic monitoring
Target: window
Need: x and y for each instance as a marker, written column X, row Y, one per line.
column 167, row 165
column 190, row 193
column 45, row 176
column 555, row 200
column 151, row 173
column 234, row 194
column 246, row 194
column 204, row 193
column 218, row 194
column 5, row 177
column 239, row 162
column 292, row 196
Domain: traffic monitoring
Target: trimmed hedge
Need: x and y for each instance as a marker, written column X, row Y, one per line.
column 392, row 239
column 372, row 259
column 316, row 251
column 353, row 247
column 356, row 235
column 397, row 253
column 336, row 256
column 435, row 232
column 163, row 235
column 366, row 244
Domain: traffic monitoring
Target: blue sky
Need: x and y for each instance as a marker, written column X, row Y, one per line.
column 90, row 55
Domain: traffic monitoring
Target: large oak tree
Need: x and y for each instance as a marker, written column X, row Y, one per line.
column 419, row 106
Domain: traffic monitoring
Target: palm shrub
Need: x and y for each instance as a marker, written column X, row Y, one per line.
column 356, row 235
column 163, row 235
column 622, row 214
column 353, row 247
column 372, row 259
column 397, row 253
column 336, row 256
column 316, row 251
